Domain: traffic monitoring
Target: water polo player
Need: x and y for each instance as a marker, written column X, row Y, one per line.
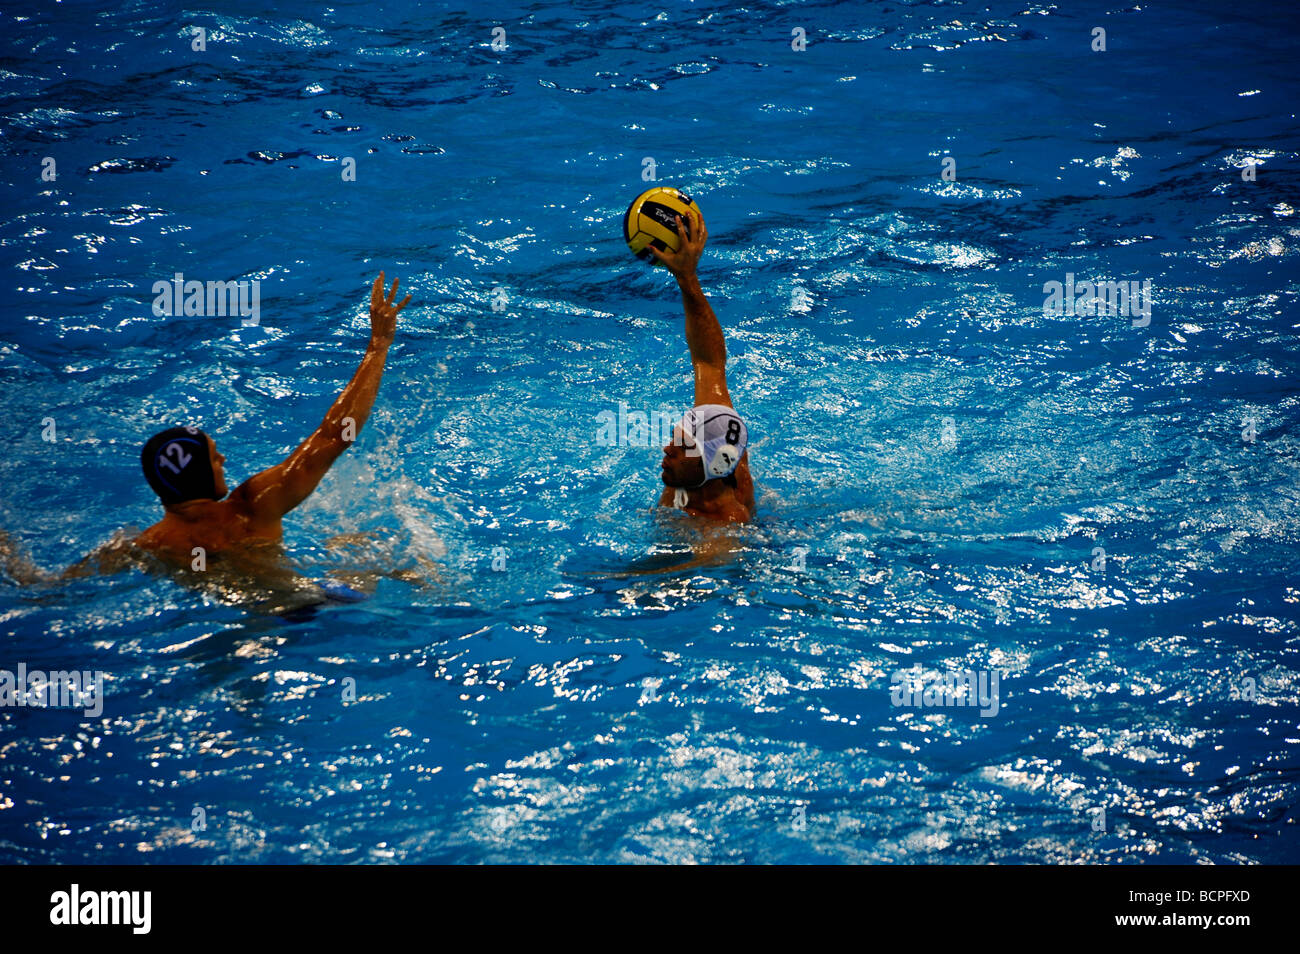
column 705, row 466
column 184, row 468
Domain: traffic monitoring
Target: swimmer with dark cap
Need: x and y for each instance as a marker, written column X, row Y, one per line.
column 184, row 467
column 706, row 465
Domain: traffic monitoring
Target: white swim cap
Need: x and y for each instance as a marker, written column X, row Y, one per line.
column 721, row 437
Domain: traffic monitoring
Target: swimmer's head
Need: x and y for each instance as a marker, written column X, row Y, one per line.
column 707, row 445
column 183, row 463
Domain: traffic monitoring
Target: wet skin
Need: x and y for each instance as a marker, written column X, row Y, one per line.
column 683, row 467
column 248, row 521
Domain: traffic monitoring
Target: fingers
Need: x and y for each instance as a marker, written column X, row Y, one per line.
column 694, row 233
column 699, row 231
column 401, row 304
column 379, row 298
column 667, row 259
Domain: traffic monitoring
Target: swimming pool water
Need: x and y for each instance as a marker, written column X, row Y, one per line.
column 937, row 458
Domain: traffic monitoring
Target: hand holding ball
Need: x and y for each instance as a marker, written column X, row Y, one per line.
column 651, row 221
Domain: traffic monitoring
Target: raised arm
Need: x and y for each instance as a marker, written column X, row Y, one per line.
column 703, row 333
column 277, row 490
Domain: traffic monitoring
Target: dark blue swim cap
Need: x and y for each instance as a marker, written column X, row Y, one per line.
column 178, row 466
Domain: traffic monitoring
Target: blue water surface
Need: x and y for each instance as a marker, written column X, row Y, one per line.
column 940, row 461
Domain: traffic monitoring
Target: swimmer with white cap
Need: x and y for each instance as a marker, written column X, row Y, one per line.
column 705, row 467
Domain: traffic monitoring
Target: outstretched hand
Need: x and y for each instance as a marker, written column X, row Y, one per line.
column 694, row 233
column 383, row 313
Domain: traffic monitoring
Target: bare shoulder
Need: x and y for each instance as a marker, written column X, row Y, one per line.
column 150, row 537
column 219, row 525
column 743, row 512
column 163, row 539
column 745, row 484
